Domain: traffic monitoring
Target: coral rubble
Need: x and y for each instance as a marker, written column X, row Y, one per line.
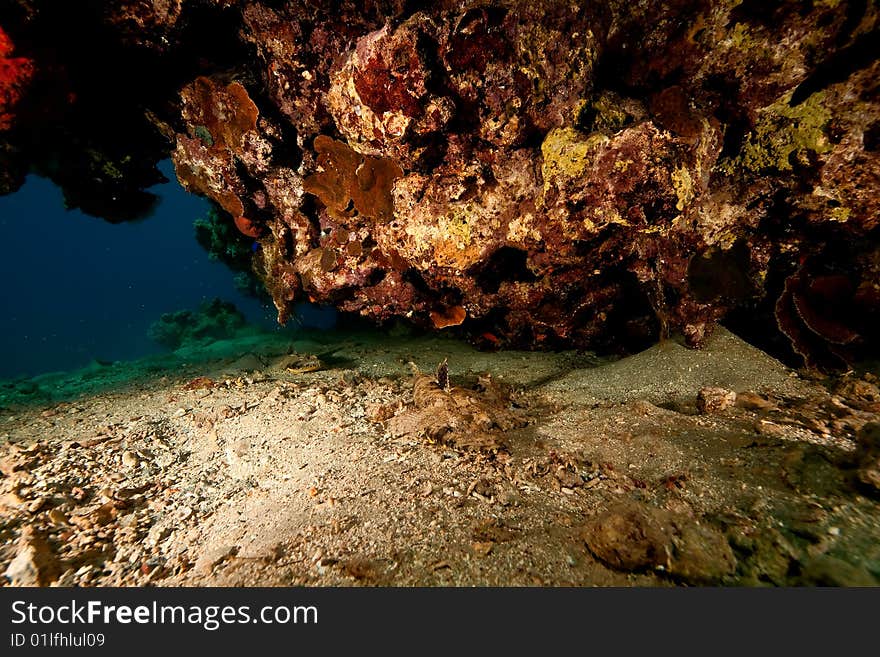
column 535, row 174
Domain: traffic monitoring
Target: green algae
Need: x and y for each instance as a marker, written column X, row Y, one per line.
column 783, row 131
column 204, row 134
column 456, row 226
column 606, row 113
column 683, row 185
column 568, row 154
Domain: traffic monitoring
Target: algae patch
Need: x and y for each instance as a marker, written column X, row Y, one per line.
column 567, row 154
column 783, row 131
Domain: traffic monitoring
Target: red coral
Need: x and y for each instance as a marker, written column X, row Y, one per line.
column 5, row 44
column 15, row 74
column 827, row 316
column 393, row 77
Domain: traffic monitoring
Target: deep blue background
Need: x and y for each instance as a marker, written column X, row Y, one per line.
column 75, row 288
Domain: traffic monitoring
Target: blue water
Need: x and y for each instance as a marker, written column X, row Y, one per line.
column 76, row 288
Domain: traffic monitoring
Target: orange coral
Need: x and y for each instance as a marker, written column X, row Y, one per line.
column 347, row 177
column 334, row 183
column 448, row 317
column 248, row 227
column 219, row 118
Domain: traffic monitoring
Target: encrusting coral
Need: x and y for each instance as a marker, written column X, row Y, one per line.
column 535, row 174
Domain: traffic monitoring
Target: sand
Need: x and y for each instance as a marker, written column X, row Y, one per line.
column 233, row 465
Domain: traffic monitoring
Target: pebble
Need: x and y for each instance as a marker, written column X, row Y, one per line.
column 35, row 564
column 57, row 516
column 714, row 400
column 37, row 504
column 130, row 460
column 157, row 533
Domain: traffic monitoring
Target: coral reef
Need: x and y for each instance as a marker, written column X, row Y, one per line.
column 215, row 320
column 530, row 174
column 225, row 243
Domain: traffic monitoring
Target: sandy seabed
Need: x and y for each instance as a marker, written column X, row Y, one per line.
column 312, row 461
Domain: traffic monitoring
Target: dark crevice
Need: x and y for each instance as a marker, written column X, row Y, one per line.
column 871, row 138
column 252, row 186
column 285, row 149
column 375, row 277
column 506, row 264
column 721, row 274
column 855, row 11
column 863, row 52
column 414, row 277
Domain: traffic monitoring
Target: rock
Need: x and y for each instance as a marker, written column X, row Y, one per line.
column 35, row 564
column 715, row 400
column 57, row 516
column 868, row 457
column 632, row 536
column 212, row 556
column 474, row 168
column 861, row 394
column 766, row 555
column 826, row 570
column 156, row 534
column 567, row 478
column 246, row 363
column 130, row 460
column 754, row 402
column 701, row 555
column 104, row 514
column 37, row 504
column 629, row 536
column 68, row 579
column 10, row 464
column 237, row 451
column 11, row 501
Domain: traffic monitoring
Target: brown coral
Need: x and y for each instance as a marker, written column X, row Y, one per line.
column 545, row 173
column 347, row 178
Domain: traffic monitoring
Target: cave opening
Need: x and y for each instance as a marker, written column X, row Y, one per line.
column 88, row 290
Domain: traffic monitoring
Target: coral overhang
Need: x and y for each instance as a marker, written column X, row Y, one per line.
column 540, row 174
